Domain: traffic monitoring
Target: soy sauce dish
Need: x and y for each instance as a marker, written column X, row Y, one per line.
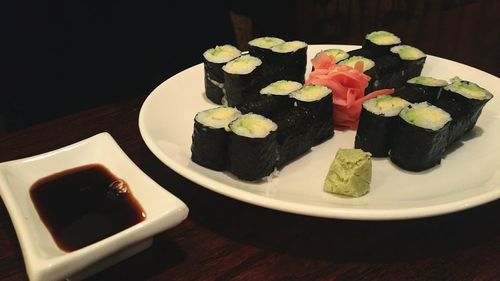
column 81, row 208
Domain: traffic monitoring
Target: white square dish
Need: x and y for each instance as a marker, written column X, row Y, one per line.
column 44, row 260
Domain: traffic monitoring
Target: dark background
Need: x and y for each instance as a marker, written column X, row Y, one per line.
column 60, row 57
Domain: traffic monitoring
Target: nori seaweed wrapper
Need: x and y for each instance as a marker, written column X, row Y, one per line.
column 417, row 149
column 287, row 66
column 209, row 146
column 374, row 50
column 267, row 68
column 252, row 159
column 372, row 72
column 214, row 81
column 464, row 112
column 416, row 93
column 389, row 72
column 374, row 133
column 412, row 68
column 241, row 88
column 322, row 110
column 360, row 52
column 294, row 135
column 266, row 105
column 262, row 53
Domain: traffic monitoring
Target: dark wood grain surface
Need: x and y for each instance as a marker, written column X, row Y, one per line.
column 224, row 239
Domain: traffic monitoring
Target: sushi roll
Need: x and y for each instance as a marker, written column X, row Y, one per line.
column 253, row 147
column 210, row 138
column 368, row 69
column 261, row 47
column 242, row 79
column 317, row 99
column 213, row 60
column 294, row 135
column 272, row 99
column 401, row 64
column 376, row 124
column 421, row 88
column 412, row 62
column 288, row 61
column 379, row 43
column 464, row 100
column 420, row 137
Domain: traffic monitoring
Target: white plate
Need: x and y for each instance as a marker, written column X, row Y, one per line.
column 467, row 177
column 43, row 259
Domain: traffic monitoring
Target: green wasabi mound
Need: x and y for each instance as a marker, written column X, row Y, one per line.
column 350, row 173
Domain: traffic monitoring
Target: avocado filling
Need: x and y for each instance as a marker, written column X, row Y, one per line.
column 221, row 54
column 242, row 65
column 266, row 42
column 311, row 93
column 218, row 117
column 367, row 63
column 425, row 116
column 282, row 87
column 289, row 47
column 468, row 89
column 407, row 52
column 428, row 81
column 383, row 38
column 252, row 126
column 385, row 105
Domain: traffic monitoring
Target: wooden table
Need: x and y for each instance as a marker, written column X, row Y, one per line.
column 224, row 239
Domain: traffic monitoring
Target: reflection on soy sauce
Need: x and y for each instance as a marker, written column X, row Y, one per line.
column 83, row 205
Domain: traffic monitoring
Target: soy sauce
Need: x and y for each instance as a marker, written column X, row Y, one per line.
column 83, row 205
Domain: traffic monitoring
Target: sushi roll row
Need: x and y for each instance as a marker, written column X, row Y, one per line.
column 245, row 145
column 413, row 135
column 416, row 125
column 464, row 100
column 213, row 61
column 389, row 63
column 304, row 116
column 233, row 77
column 282, row 60
column 250, row 145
